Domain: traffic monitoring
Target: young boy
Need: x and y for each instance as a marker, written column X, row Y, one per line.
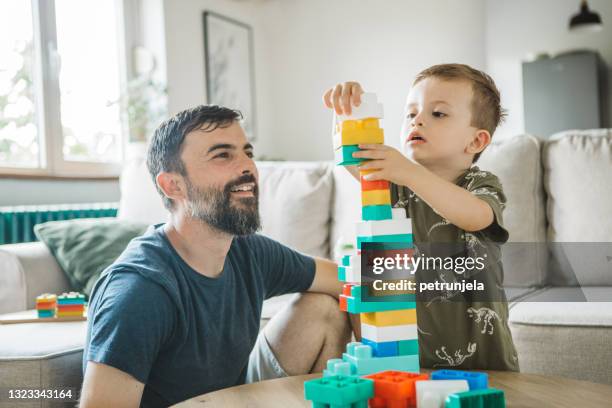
column 452, row 111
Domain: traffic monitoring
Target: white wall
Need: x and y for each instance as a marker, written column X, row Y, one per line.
column 302, row 47
column 516, row 28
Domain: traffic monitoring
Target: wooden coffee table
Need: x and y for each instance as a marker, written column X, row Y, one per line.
column 522, row 390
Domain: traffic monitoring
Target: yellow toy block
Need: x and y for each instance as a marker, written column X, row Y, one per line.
column 391, row 318
column 71, row 313
column 46, row 297
column 354, row 132
column 375, row 197
column 366, row 171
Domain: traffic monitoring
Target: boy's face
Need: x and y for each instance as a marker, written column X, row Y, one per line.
column 436, row 128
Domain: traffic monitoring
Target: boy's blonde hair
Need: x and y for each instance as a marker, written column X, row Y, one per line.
column 487, row 112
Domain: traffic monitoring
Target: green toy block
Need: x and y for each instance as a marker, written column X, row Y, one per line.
column 408, row 347
column 46, row 313
column 376, row 212
column 337, row 366
column 362, row 361
column 339, row 391
column 344, row 156
column 346, row 260
column 405, row 239
column 342, row 274
column 487, row 398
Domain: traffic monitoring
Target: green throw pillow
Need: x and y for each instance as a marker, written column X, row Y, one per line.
column 85, row 247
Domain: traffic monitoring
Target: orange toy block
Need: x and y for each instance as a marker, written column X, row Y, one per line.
column 395, row 389
column 70, row 308
column 367, row 185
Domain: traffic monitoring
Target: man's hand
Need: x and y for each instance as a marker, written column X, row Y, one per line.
column 106, row 386
column 342, row 97
column 388, row 162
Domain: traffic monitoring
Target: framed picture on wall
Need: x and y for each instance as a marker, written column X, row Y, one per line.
column 229, row 65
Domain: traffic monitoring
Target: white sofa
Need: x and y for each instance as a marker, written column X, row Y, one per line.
column 558, row 191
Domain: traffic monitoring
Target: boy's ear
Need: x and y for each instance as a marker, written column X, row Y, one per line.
column 171, row 184
column 480, row 140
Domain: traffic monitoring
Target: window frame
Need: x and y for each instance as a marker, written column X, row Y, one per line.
column 48, row 108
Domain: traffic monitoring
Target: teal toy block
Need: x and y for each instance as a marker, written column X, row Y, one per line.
column 488, row 398
column 475, row 380
column 388, row 239
column 344, row 156
column 339, row 391
column 337, row 366
column 346, row 260
column 363, row 362
column 354, row 303
column 71, row 298
column 46, row 313
column 408, row 347
column 376, row 212
column 382, row 349
column 342, row 274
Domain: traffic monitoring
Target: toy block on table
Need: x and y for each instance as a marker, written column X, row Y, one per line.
column 376, row 212
column 46, row 305
column 375, row 197
column 488, row 398
column 392, row 318
column 70, row 304
column 337, row 366
column 394, row 388
column 363, row 362
column 476, row 380
column 368, row 108
column 343, row 156
column 339, row 391
column 433, row 394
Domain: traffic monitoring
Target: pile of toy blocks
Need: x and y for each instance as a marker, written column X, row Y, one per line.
column 46, row 305
column 383, row 369
column 70, row 304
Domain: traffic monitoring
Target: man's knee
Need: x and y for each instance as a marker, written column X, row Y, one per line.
column 320, row 306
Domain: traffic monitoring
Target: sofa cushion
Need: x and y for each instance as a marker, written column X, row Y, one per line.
column 295, row 204
column 577, row 166
column 570, row 339
column 346, row 209
column 516, row 161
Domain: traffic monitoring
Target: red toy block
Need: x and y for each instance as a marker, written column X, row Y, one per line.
column 367, row 185
column 395, row 389
column 342, row 303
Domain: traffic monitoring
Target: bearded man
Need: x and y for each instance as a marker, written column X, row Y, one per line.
column 178, row 313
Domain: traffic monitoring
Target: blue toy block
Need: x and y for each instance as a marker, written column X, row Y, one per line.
column 376, row 212
column 383, row 349
column 405, row 239
column 354, row 303
column 476, row 380
column 363, row 362
column 339, row 391
column 344, row 156
column 337, row 366
column 342, row 274
column 488, row 398
column 346, row 260
column 46, row 313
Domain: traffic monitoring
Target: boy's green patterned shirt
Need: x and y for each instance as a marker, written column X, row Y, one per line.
column 462, row 329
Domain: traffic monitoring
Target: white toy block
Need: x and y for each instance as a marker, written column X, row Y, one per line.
column 433, row 393
column 352, row 276
column 355, row 263
column 384, row 227
column 398, row 213
column 381, row 334
column 369, row 108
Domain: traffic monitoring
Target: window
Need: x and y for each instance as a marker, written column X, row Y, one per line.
column 61, row 77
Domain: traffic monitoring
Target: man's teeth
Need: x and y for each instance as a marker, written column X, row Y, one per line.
column 244, row 187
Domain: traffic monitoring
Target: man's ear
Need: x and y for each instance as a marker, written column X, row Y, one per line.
column 480, row 140
column 172, row 185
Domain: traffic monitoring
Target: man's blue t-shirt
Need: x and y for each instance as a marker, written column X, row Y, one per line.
column 177, row 331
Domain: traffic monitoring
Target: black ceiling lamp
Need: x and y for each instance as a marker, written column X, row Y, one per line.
column 586, row 20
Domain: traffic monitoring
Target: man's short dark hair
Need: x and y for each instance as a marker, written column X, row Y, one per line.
column 164, row 152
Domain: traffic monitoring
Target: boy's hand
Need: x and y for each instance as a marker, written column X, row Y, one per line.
column 390, row 163
column 342, row 97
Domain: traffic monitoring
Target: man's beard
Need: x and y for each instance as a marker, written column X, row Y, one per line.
column 214, row 207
